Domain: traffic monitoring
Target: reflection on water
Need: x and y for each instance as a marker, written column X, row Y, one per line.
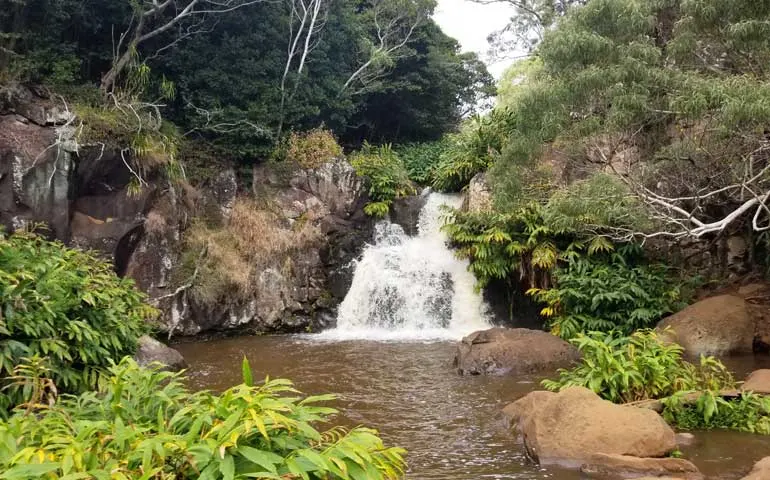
column 451, row 425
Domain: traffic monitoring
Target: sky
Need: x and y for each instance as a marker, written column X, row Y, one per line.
column 471, row 23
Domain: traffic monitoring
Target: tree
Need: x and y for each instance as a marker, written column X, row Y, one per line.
column 388, row 28
column 151, row 18
column 670, row 95
column 529, row 22
column 425, row 95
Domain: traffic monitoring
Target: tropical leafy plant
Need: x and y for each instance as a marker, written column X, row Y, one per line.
column 471, row 151
column 388, row 178
column 614, row 291
column 422, row 159
column 748, row 413
column 67, row 306
column 519, row 244
column 638, row 367
column 145, row 424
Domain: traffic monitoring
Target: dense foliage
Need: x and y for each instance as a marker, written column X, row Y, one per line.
column 146, row 424
column 638, row 367
column 617, row 291
column 386, row 175
column 66, row 306
column 748, row 412
column 244, row 72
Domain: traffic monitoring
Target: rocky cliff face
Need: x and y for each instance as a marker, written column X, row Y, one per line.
column 82, row 194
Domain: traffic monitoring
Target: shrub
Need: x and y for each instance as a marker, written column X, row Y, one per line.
column 65, row 305
column 313, row 148
column 221, row 260
column 471, row 151
column 748, row 413
column 638, row 367
column 609, row 292
column 146, row 424
column 386, row 174
column 517, row 244
column 421, row 159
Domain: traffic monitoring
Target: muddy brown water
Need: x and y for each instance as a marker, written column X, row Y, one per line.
column 451, row 425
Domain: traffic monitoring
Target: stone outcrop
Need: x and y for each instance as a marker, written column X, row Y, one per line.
column 758, row 382
column 405, row 211
column 720, row 325
column 761, row 470
column 152, row 351
column 83, row 195
column 500, row 351
column 575, row 425
column 478, row 198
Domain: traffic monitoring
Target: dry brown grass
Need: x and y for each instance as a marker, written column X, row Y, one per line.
column 253, row 239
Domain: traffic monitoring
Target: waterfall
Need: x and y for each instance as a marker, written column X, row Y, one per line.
column 411, row 288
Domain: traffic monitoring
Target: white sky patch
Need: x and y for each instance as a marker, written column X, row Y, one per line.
column 470, row 23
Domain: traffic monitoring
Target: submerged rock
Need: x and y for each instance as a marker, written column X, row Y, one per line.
column 720, row 325
column 153, row 351
column 761, row 470
column 575, row 425
column 611, row 467
column 500, row 351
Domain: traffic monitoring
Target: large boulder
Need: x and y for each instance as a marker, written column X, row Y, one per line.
column 720, row 325
column 761, row 470
column 500, row 351
column 152, row 351
column 758, row 382
column 575, row 425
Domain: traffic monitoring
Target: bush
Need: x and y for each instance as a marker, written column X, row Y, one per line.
column 65, row 305
column 146, row 424
column 421, row 159
column 386, row 174
column 638, row 367
column 609, row 292
column 471, row 151
column 518, row 244
column 748, row 413
column 313, row 148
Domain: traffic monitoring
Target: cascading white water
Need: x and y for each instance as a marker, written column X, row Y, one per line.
column 411, row 288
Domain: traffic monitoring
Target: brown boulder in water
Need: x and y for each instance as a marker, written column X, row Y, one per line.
column 611, row 467
column 758, row 382
column 499, row 351
column 719, row 325
column 574, row 425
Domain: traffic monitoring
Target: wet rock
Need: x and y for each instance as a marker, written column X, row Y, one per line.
column 36, row 170
column 479, row 196
column 719, row 325
column 611, row 467
column 574, row 425
column 684, row 439
column 153, row 351
column 405, row 211
column 500, row 351
column 761, row 470
column 758, row 382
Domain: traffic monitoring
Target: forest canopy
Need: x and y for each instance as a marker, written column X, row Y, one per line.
column 242, row 73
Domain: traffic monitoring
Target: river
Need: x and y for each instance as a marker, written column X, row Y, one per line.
column 390, row 362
